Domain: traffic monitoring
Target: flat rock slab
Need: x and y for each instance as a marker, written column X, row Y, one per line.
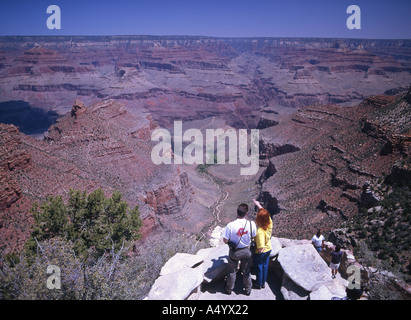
column 176, row 286
column 215, row 262
column 180, row 261
column 276, row 247
column 215, row 290
column 304, row 266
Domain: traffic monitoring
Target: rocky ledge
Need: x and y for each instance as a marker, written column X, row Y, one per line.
column 301, row 272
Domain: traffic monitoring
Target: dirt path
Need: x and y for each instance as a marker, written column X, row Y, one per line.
column 224, row 195
column 216, row 212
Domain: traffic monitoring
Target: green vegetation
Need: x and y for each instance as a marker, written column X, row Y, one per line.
column 91, row 238
column 387, row 229
column 384, row 231
column 202, row 168
column 88, row 221
column 379, row 286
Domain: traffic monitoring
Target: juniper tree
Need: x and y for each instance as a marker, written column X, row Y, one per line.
column 88, row 221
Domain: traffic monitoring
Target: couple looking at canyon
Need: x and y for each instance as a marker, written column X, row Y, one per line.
column 249, row 242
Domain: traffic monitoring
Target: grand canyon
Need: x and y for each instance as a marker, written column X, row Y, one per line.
column 78, row 112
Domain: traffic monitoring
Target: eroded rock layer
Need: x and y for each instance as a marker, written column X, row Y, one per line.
column 99, row 146
column 195, row 77
column 329, row 154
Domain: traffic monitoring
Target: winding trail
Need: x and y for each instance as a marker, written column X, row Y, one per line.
column 220, row 201
column 217, row 205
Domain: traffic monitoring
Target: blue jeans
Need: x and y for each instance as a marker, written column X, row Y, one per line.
column 261, row 267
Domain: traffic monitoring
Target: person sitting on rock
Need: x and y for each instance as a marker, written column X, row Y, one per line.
column 238, row 235
column 318, row 241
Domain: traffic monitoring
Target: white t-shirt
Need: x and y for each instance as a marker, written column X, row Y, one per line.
column 235, row 229
column 317, row 240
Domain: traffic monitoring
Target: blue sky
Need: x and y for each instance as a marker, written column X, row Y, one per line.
column 223, row 18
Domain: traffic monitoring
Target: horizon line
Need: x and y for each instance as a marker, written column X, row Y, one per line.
column 200, row 37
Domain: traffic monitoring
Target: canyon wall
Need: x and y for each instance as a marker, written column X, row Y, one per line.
column 99, row 146
column 316, row 155
column 319, row 158
column 190, row 78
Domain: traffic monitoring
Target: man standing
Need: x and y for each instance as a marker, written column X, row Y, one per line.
column 238, row 234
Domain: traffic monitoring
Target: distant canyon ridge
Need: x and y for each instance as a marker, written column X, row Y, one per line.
column 325, row 127
column 188, row 78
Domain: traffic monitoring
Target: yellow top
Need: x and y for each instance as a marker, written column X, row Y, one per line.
column 263, row 238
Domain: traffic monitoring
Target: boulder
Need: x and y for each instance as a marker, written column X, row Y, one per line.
column 276, row 247
column 215, row 263
column 337, row 287
column 322, row 293
column 291, row 291
column 342, row 238
column 216, row 237
column 304, row 266
column 180, row 261
column 292, row 242
column 303, row 272
column 176, row 286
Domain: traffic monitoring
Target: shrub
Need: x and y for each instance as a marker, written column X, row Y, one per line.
column 113, row 275
column 88, row 221
column 89, row 240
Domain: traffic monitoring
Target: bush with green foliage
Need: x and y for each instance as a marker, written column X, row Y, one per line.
column 88, row 221
column 384, row 235
column 114, row 275
column 89, row 239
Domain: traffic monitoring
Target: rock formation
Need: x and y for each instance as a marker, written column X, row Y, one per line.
column 196, row 77
column 99, row 146
column 302, row 273
column 319, row 158
column 13, row 159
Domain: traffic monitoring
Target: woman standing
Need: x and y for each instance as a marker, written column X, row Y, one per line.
column 263, row 245
column 336, row 256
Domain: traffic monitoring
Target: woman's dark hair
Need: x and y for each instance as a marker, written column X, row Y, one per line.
column 337, row 247
column 242, row 210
